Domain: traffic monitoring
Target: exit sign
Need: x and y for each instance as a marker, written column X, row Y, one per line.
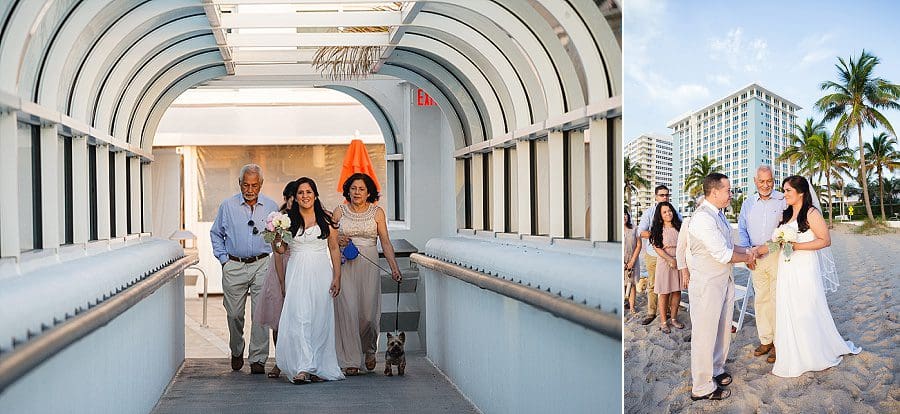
column 422, row 99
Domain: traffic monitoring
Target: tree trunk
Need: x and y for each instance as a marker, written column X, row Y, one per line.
column 881, row 193
column 830, row 205
column 862, row 173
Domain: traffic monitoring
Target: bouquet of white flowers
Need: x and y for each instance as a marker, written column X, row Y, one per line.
column 782, row 238
column 277, row 223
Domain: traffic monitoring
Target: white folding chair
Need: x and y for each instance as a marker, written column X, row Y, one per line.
column 743, row 294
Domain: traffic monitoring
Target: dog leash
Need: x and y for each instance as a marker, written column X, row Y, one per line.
column 397, row 313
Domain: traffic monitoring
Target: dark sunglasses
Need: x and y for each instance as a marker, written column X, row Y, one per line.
column 255, row 230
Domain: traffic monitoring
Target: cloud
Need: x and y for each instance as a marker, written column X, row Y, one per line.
column 815, row 48
column 719, row 79
column 740, row 54
column 643, row 25
column 679, row 97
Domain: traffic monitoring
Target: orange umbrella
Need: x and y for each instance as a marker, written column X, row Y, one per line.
column 357, row 161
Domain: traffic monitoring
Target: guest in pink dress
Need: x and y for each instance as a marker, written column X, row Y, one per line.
column 664, row 238
column 272, row 298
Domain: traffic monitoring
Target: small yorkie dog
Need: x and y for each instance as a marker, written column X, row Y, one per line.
column 394, row 354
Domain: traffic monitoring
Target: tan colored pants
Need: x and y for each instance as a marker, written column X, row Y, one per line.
column 238, row 281
column 357, row 310
column 764, row 297
column 652, row 297
column 712, row 308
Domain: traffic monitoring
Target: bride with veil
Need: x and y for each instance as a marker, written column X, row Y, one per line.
column 805, row 335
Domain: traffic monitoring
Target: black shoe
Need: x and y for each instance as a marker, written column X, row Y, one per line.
column 719, row 394
column 723, row 379
column 648, row 319
column 237, row 362
column 257, row 368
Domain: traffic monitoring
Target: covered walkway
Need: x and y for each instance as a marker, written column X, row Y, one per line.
column 507, row 180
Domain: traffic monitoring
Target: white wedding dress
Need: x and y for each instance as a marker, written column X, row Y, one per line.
column 306, row 327
column 805, row 336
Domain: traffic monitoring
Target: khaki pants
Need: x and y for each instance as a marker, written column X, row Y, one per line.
column 764, row 297
column 239, row 280
column 712, row 308
column 652, row 297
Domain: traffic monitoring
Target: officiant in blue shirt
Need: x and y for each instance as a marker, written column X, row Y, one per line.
column 760, row 215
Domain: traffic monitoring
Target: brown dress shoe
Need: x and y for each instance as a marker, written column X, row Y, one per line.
column 771, row 358
column 237, row 362
column 763, row 349
column 257, row 368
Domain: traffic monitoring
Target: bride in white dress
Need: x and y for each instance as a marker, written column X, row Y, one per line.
column 805, row 335
column 306, row 351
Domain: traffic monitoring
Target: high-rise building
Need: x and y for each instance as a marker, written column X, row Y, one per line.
column 653, row 153
column 740, row 131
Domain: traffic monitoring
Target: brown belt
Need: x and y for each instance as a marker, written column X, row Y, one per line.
column 248, row 259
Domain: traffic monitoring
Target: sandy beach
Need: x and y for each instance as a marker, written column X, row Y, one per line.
column 865, row 310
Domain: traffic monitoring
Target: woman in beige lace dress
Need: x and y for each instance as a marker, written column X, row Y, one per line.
column 358, row 308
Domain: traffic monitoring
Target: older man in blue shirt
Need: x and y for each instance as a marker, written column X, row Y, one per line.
column 237, row 243
column 760, row 215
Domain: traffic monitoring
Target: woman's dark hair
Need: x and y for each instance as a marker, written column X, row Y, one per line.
column 628, row 224
column 368, row 181
column 323, row 217
column 800, row 185
column 290, row 190
column 656, row 230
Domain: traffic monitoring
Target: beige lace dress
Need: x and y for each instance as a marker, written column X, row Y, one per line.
column 358, row 308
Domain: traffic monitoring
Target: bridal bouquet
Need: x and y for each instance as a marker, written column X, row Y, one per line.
column 277, row 223
column 781, row 240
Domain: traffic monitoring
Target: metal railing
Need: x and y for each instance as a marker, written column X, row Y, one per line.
column 606, row 323
column 205, row 291
column 25, row 357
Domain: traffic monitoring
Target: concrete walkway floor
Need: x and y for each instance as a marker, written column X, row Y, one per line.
column 209, row 385
column 206, row 382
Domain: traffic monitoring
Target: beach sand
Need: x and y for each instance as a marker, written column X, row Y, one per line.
column 865, row 309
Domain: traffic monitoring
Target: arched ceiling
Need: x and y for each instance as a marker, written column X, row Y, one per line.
column 109, row 69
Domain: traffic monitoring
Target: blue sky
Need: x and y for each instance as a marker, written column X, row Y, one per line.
column 682, row 55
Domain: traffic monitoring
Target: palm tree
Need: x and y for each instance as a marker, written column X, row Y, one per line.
column 799, row 146
column 882, row 156
column 856, row 101
column 817, row 153
column 831, row 159
column 736, row 203
column 701, row 167
column 633, row 180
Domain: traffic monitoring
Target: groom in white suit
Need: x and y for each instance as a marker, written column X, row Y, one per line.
column 711, row 288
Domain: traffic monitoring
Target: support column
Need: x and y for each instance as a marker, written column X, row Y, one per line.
column 498, row 192
column 136, row 195
column 617, row 184
column 599, row 178
column 541, row 173
column 80, row 202
column 476, row 178
column 146, row 199
column 577, row 182
column 523, row 184
column 103, row 201
column 556, row 189
column 460, row 192
column 50, row 166
column 121, row 197
column 9, row 184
